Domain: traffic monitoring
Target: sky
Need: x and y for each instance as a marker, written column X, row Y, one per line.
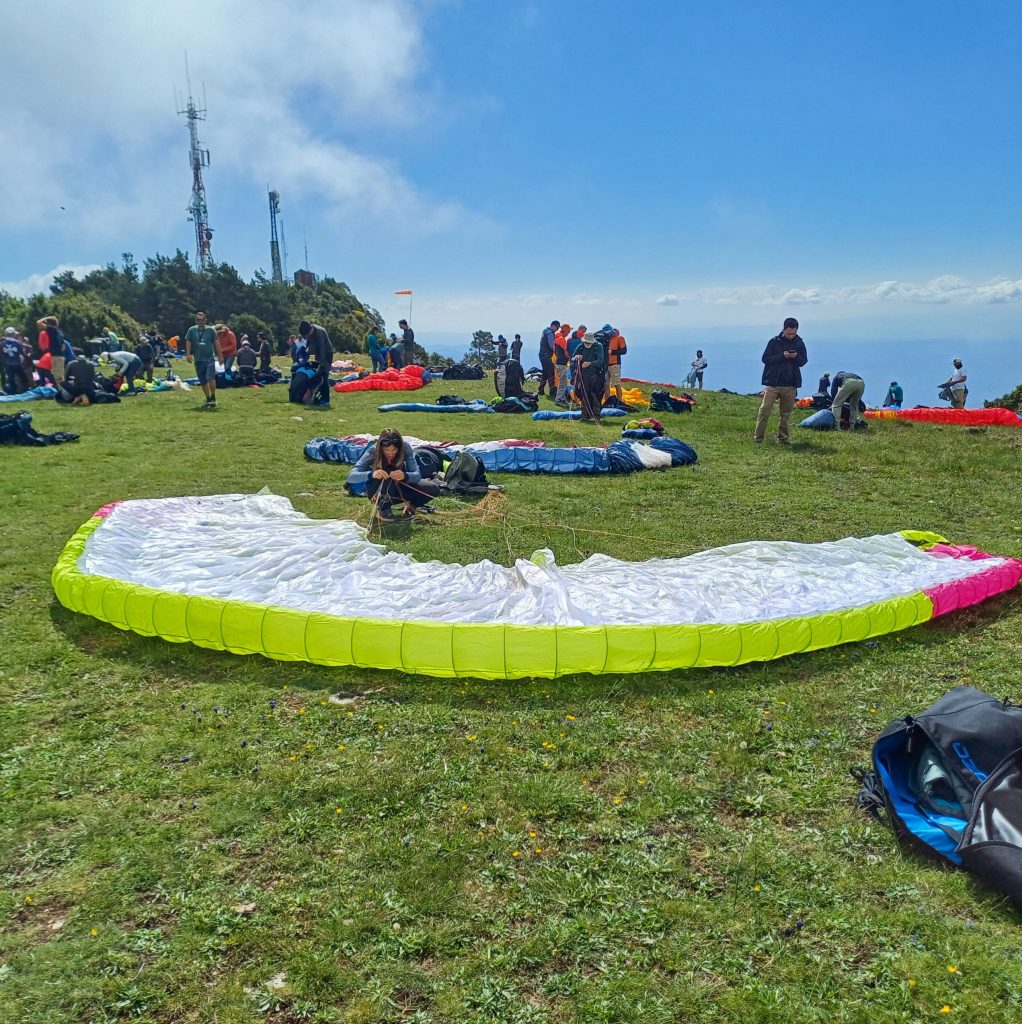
column 658, row 166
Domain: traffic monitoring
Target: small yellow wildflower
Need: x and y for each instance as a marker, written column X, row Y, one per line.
column 532, row 835
column 951, row 969
column 322, row 702
column 516, row 853
column 342, row 747
column 618, row 799
column 539, row 849
column 709, row 693
column 285, row 687
column 464, row 807
column 293, row 757
column 94, row 931
column 756, row 888
column 912, row 983
column 338, row 810
column 468, row 739
column 642, row 782
column 570, row 718
column 301, row 711
column 945, row 1008
column 28, row 899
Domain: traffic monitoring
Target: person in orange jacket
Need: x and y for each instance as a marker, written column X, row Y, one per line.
column 616, row 347
column 228, row 345
column 561, row 363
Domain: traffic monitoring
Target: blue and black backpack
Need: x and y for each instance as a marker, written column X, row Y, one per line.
column 950, row 781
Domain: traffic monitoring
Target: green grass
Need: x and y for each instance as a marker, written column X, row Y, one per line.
column 686, row 845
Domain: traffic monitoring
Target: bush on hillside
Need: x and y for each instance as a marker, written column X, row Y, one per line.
column 1012, row 400
column 82, row 316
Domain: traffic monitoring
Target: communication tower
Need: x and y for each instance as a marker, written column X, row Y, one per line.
column 278, row 271
column 198, row 158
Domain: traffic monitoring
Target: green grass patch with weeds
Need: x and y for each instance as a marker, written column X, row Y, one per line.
column 192, row 836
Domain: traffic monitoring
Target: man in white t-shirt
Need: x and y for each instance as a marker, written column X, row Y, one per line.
column 957, row 386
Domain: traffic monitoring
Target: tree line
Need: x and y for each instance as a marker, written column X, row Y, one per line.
column 165, row 293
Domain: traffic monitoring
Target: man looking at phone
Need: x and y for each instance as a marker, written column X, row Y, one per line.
column 783, row 359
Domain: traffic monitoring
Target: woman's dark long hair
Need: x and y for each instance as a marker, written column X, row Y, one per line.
column 389, row 436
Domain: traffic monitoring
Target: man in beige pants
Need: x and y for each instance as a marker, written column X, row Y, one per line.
column 782, row 377
column 847, row 387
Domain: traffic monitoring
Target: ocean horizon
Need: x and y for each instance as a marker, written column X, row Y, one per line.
column 735, row 363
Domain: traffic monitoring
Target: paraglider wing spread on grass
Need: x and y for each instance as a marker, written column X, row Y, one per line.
column 260, row 577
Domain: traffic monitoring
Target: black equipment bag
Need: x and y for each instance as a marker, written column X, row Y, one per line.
column 950, row 780
column 465, row 475
column 430, row 460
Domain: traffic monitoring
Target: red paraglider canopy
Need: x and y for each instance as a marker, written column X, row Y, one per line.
column 957, row 417
column 408, row 378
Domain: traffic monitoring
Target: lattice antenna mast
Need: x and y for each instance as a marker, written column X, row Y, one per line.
column 198, row 158
column 278, row 271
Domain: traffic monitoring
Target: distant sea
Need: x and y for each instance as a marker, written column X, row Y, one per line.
column 994, row 367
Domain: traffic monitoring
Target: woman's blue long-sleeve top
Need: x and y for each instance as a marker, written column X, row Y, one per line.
column 363, row 469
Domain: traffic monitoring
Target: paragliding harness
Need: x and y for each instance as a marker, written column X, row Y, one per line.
column 300, row 388
column 465, row 475
column 464, row 371
column 517, row 403
column 950, row 782
column 661, row 401
column 508, row 379
column 18, row 429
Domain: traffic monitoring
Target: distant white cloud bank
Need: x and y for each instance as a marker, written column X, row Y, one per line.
column 946, row 289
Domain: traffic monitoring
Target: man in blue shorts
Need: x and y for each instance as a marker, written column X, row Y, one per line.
column 202, row 348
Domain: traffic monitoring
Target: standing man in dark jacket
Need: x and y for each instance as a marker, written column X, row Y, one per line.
column 407, row 342
column 546, row 357
column 321, row 351
column 782, row 377
column 516, row 348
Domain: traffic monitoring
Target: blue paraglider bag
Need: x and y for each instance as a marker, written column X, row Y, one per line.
column 822, row 420
column 950, row 781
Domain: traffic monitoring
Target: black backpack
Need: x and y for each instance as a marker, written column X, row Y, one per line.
column 950, row 781
column 431, row 461
column 465, row 475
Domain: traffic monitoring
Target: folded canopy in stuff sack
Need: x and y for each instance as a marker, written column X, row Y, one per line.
column 257, row 576
column 574, row 414
column 476, row 405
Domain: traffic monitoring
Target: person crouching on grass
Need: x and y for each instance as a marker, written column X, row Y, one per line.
column 390, row 473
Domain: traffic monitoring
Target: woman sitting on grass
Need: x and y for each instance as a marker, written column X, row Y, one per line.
column 390, row 473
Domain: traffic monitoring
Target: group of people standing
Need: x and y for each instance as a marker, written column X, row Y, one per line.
column 392, row 352
column 783, row 359
column 588, row 361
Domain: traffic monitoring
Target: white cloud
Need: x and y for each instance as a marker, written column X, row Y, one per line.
column 946, row 289
column 41, row 282
column 104, row 142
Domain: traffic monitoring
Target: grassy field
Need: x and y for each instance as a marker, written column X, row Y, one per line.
column 188, row 836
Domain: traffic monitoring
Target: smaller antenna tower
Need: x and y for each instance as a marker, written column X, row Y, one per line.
column 198, row 158
column 278, row 271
